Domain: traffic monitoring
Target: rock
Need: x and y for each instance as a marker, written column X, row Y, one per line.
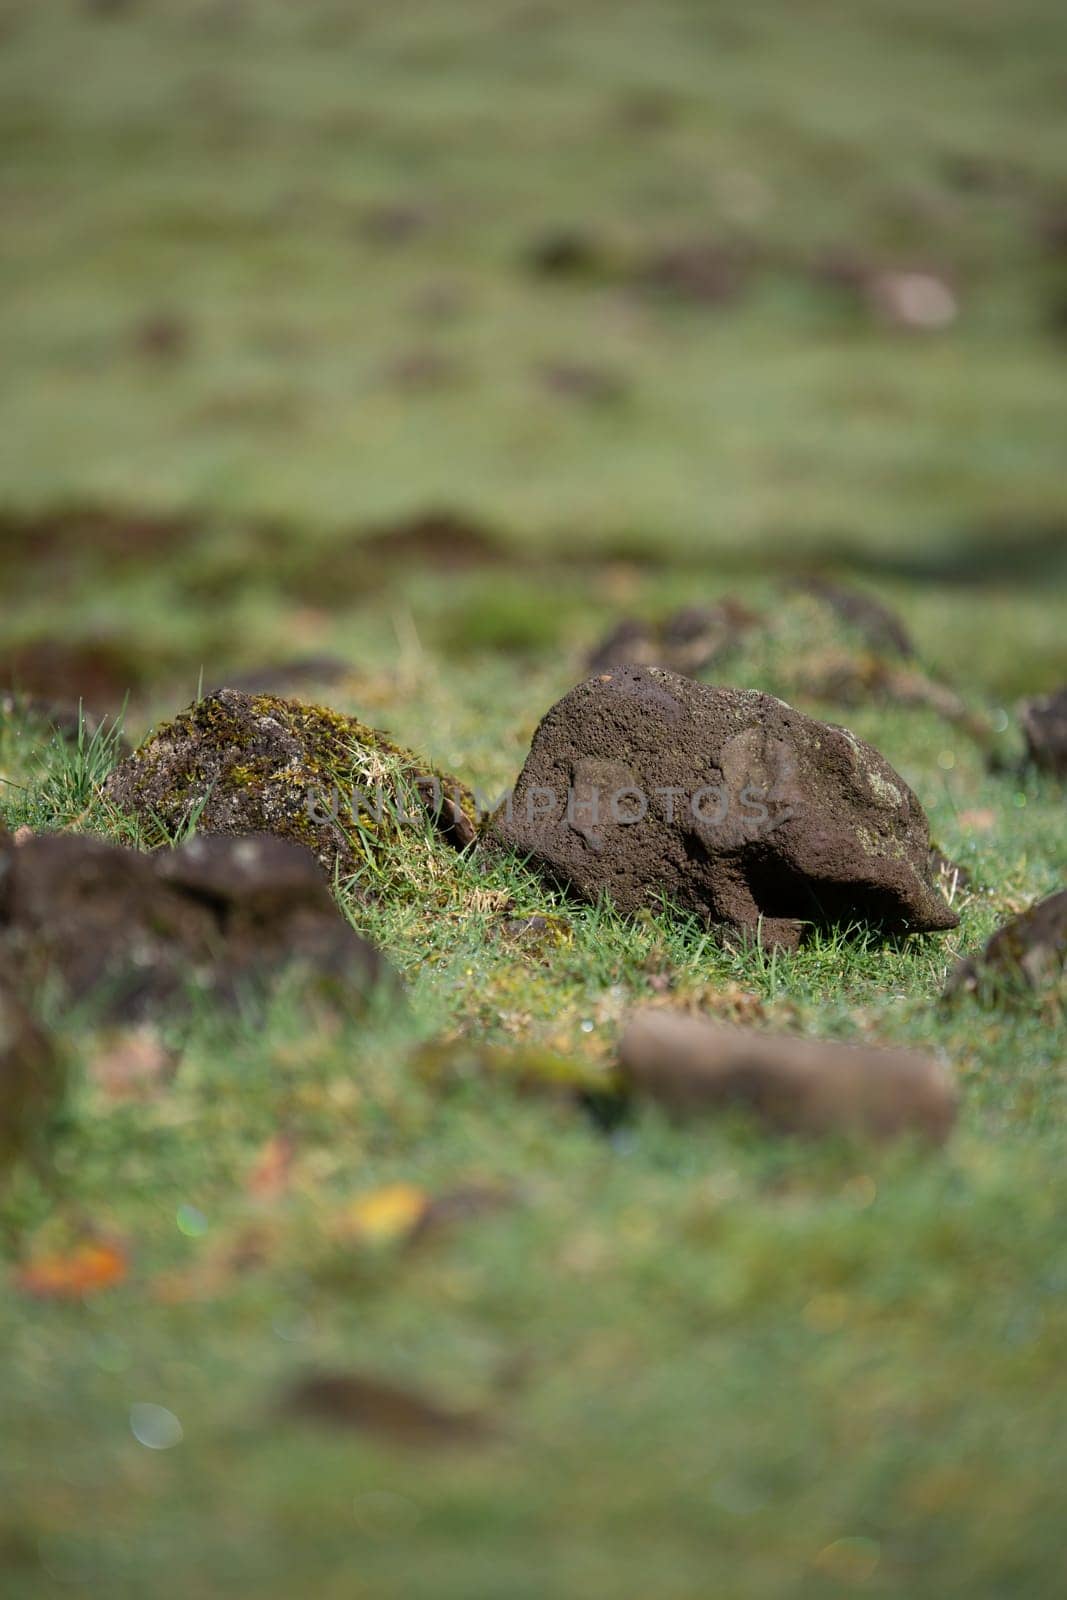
column 880, row 628
column 1027, row 953
column 584, row 380
column 725, row 803
column 61, row 672
column 807, row 1086
column 568, row 252
column 164, row 336
column 139, row 935
column 705, row 272
column 69, row 719
column 688, row 641
column 31, row 1079
column 919, row 301
column 239, row 763
column 853, row 680
column 384, row 1410
column 1044, row 724
column 287, row 675
column 437, row 538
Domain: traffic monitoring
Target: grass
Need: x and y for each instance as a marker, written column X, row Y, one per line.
column 716, row 1362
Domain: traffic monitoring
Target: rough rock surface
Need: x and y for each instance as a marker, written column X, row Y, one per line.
column 139, row 933
column 643, row 786
column 1029, row 952
column 30, row 1078
column 239, row 763
column 808, row 1086
column 1044, row 722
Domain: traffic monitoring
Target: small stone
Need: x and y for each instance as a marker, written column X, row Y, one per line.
column 1044, row 724
column 693, row 1067
column 385, row 1410
column 1026, row 954
column 287, row 675
column 652, row 789
column 914, row 300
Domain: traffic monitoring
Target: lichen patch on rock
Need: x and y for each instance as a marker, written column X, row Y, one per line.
column 240, row 763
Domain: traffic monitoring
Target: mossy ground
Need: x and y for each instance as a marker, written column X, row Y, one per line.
column 718, row 1363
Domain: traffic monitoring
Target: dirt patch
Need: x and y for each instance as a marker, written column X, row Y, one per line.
column 651, row 789
column 108, row 533
column 445, row 540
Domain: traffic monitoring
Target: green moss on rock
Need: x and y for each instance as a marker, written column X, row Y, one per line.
column 238, row 763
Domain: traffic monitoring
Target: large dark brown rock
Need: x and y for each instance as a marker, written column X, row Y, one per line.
column 694, row 1067
column 1027, row 953
column 137, row 934
column 1044, row 723
column 239, row 763
column 649, row 788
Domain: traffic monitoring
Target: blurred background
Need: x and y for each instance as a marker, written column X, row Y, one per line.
column 661, row 282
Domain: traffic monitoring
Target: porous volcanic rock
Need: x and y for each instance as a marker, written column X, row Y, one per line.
column 138, row 933
column 1028, row 952
column 1044, row 723
column 241, row 763
column 648, row 788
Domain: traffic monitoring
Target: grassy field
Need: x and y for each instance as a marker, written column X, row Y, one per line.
column 269, row 285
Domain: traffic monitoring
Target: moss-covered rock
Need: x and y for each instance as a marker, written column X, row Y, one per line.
column 240, row 763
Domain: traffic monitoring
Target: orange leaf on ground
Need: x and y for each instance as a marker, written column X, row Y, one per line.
column 93, row 1265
